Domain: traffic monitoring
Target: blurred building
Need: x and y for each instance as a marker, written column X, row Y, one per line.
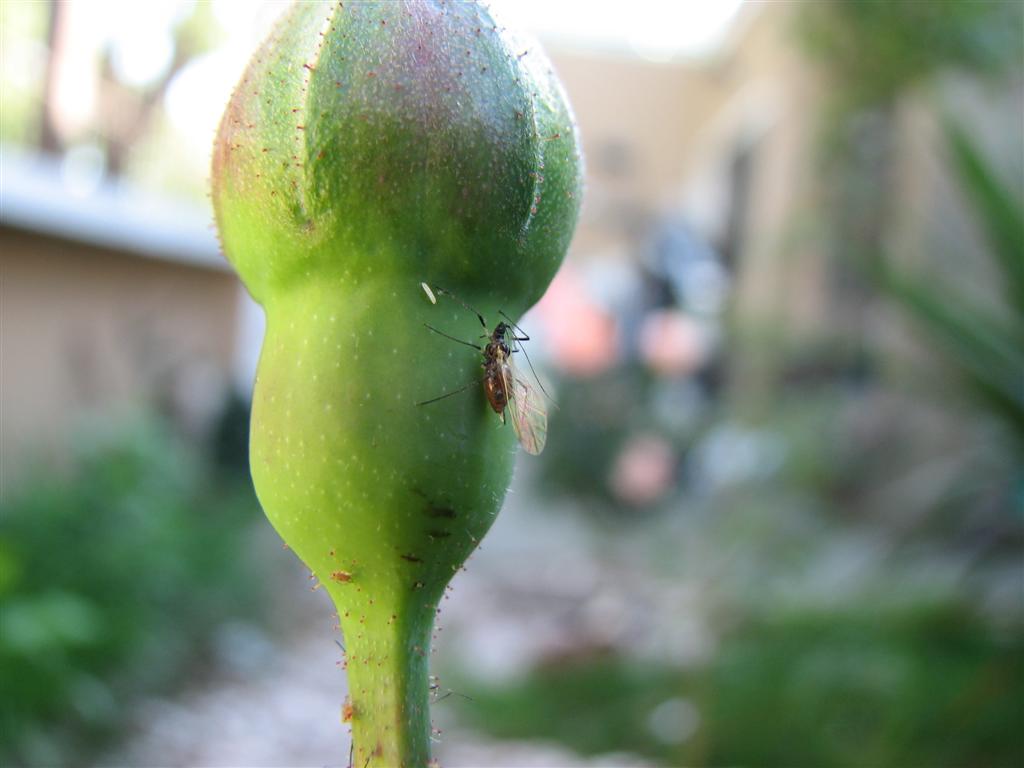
column 111, row 300
column 734, row 143
column 724, row 138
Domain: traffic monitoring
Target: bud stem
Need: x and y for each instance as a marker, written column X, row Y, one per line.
column 386, row 657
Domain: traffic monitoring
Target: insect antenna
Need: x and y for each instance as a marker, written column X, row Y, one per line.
column 452, row 295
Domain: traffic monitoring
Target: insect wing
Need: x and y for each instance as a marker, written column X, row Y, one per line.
column 529, row 416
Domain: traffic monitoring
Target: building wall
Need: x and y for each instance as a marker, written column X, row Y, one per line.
column 769, row 109
column 637, row 120
column 684, row 126
column 680, row 127
column 91, row 333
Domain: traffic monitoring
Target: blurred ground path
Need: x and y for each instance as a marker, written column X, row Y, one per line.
column 536, row 589
column 287, row 713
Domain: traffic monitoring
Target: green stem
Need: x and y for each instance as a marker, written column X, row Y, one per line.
column 387, row 661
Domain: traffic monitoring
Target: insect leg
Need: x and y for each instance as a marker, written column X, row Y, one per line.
column 460, row 341
column 449, row 394
column 452, row 693
column 536, row 377
column 524, row 337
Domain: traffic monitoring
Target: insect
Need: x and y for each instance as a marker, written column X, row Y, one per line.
column 505, row 389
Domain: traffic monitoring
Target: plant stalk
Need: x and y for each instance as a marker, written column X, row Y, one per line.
column 387, row 665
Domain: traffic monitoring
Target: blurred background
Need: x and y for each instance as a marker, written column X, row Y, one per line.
column 780, row 517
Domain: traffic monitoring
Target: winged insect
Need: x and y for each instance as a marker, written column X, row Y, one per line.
column 506, row 390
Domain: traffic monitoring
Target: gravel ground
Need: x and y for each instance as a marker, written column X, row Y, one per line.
column 285, row 713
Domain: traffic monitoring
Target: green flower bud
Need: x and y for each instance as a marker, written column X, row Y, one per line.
column 371, row 147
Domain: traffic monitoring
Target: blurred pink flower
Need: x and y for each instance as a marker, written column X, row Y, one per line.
column 672, row 343
column 582, row 336
column 643, row 471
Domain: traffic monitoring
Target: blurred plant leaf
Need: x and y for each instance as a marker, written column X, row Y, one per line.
column 987, row 353
column 986, row 348
column 996, row 207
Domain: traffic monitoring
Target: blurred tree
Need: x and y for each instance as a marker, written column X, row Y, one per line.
column 876, row 50
column 124, row 111
column 49, row 134
column 22, row 32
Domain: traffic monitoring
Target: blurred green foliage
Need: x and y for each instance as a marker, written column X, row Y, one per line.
column 862, row 685
column 22, row 36
column 985, row 344
column 876, row 50
column 113, row 577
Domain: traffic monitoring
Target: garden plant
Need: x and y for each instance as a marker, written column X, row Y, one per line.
column 371, row 148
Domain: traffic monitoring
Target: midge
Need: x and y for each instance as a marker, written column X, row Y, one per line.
column 502, row 386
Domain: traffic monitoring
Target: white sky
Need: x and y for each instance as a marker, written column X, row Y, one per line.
column 660, row 30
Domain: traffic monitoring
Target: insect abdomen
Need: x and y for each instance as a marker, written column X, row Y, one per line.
column 494, row 388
